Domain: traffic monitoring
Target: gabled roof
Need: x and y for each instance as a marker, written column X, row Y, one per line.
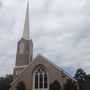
column 40, row 55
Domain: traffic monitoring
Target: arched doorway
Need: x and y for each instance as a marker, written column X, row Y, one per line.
column 40, row 79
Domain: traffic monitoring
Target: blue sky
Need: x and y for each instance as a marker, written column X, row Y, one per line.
column 60, row 30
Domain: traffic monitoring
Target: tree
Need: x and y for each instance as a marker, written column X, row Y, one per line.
column 88, row 77
column 5, row 82
column 87, row 83
column 70, row 85
column 83, row 79
column 80, row 75
column 55, row 85
column 20, row 86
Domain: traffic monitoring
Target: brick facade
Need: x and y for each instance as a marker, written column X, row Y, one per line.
column 26, row 75
column 25, row 66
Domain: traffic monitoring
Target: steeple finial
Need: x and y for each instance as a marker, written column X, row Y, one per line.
column 26, row 25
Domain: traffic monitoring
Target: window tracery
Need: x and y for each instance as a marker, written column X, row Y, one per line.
column 40, row 78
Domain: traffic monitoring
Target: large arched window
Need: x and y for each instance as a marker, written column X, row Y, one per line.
column 40, row 80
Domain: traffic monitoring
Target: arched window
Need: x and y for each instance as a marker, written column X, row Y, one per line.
column 40, row 78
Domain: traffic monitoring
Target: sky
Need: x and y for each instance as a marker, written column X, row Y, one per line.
column 60, row 30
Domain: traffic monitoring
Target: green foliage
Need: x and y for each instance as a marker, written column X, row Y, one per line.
column 20, row 86
column 5, row 82
column 55, row 85
column 83, row 79
column 80, row 75
column 70, row 85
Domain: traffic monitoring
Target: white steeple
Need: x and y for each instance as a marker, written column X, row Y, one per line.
column 26, row 25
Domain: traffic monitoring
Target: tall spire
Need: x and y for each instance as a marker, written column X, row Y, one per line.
column 26, row 25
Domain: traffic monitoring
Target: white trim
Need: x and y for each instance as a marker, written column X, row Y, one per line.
column 58, row 67
column 39, row 55
column 20, row 66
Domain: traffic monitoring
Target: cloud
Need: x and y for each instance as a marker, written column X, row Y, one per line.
column 60, row 30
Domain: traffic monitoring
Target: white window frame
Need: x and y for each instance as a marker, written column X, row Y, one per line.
column 39, row 78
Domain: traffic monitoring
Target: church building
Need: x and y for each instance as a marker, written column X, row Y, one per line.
column 37, row 73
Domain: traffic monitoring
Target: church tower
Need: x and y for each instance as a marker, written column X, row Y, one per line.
column 24, row 47
column 39, row 74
